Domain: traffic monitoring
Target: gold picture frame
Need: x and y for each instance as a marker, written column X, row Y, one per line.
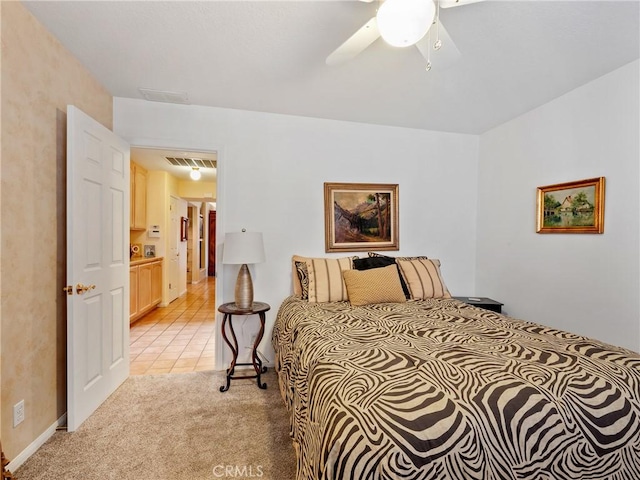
column 571, row 207
column 360, row 217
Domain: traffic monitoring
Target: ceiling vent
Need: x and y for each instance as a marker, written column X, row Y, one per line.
column 164, row 96
column 191, row 162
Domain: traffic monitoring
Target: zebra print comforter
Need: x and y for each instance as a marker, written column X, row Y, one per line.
column 438, row 389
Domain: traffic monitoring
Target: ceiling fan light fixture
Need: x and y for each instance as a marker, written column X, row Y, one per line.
column 195, row 173
column 404, row 22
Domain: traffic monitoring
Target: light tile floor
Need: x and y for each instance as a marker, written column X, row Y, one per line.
column 177, row 338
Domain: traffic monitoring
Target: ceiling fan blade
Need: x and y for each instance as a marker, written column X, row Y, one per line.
column 356, row 43
column 446, row 56
column 456, row 3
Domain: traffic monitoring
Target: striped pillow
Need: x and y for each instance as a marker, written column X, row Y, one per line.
column 379, row 255
column 297, row 286
column 423, row 278
column 303, row 279
column 325, row 279
column 375, row 285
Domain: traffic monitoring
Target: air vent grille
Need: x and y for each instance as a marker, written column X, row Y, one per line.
column 164, row 96
column 191, row 162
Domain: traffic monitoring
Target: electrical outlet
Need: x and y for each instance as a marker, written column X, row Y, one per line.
column 18, row 413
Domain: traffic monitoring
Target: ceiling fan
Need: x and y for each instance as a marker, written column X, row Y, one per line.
column 402, row 23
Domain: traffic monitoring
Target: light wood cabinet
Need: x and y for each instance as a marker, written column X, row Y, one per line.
column 156, row 282
column 138, row 185
column 133, row 293
column 145, row 288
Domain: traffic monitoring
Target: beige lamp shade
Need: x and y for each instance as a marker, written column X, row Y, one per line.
column 241, row 248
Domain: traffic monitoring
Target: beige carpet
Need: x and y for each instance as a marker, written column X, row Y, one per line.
column 175, row 426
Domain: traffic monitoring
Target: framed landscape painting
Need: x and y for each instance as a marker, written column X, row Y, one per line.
column 360, row 217
column 572, row 207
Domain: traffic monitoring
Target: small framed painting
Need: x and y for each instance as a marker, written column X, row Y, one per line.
column 184, row 229
column 360, row 217
column 149, row 251
column 572, row 207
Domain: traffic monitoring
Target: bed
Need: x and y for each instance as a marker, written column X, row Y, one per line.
column 433, row 388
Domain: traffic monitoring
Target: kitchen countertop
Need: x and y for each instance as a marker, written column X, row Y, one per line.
column 142, row 260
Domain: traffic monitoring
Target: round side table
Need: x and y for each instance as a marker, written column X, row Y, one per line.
column 229, row 310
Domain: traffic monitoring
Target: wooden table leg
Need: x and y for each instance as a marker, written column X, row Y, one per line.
column 257, row 363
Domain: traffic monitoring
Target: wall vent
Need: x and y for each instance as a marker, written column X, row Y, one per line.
column 191, row 162
column 164, row 96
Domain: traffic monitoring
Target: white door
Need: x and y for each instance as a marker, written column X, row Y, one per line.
column 97, row 264
column 174, row 252
column 183, row 211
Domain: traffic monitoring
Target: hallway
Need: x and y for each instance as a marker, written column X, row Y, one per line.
column 177, row 338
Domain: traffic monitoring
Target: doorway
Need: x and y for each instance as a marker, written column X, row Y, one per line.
column 169, row 193
column 179, row 335
column 197, row 242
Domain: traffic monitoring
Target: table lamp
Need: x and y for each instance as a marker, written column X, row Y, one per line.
column 241, row 248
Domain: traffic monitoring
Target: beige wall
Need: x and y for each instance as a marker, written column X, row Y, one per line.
column 0, row 241
column 199, row 189
column 39, row 79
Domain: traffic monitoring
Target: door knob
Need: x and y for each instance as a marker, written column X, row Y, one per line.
column 80, row 288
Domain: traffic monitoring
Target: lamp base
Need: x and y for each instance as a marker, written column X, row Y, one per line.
column 244, row 288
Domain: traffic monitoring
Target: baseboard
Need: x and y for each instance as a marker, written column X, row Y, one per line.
column 36, row 444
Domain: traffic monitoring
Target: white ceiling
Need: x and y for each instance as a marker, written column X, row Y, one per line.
column 269, row 56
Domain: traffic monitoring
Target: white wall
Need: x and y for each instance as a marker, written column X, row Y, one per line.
column 587, row 284
column 271, row 174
